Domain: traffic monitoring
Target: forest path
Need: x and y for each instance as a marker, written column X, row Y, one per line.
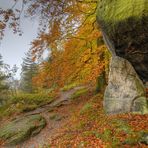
column 57, row 115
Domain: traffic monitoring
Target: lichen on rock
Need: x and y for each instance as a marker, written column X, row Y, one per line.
column 125, row 91
column 18, row 130
column 124, row 25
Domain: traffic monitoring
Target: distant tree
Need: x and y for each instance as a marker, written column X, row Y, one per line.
column 3, row 76
column 12, row 81
column 1, row 62
column 29, row 70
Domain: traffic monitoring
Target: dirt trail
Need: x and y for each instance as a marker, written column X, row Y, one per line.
column 57, row 115
column 64, row 98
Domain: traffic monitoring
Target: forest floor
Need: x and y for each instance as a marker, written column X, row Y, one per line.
column 77, row 120
column 56, row 113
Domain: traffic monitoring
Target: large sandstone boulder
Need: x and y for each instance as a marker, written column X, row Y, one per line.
column 125, row 91
column 124, row 24
column 20, row 129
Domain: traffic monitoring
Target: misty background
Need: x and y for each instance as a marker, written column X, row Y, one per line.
column 13, row 46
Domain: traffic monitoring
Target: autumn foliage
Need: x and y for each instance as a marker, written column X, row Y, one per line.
column 69, row 30
column 90, row 127
column 77, row 52
column 79, row 61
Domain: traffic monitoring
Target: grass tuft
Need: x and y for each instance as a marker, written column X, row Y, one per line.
column 79, row 93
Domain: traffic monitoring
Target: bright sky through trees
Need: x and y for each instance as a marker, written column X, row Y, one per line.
column 12, row 46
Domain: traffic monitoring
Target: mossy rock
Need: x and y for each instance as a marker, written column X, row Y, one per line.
column 21, row 129
column 116, row 10
column 141, row 105
column 125, row 91
column 125, row 29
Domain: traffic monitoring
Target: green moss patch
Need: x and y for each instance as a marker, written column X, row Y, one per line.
column 24, row 103
column 79, row 93
column 19, row 130
column 69, row 86
column 113, row 10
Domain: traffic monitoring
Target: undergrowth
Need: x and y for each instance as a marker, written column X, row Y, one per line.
column 24, row 103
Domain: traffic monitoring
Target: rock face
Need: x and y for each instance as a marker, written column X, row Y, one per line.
column 124, row 24
column 125, row 91
column 19, row 130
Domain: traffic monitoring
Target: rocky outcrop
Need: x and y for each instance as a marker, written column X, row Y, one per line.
column 125, row 91
column 124, row 24
column 20, row 129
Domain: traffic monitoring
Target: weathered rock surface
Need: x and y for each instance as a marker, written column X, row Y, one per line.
column 124, row 24
column 20, row 129
column 125, row 91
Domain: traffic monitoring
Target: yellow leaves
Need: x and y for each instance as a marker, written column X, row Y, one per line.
column 95, row 34
column 55, row 31
column 76, row 63
column 79, row 60
column 85, row 58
